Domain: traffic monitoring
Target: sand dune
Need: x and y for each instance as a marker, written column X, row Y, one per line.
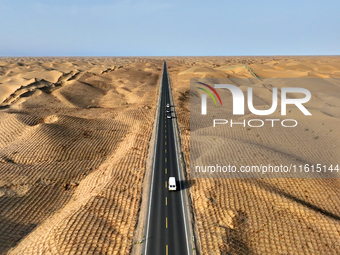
column 74, row 134
column 265, row 216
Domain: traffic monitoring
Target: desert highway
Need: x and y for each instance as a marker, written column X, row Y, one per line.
column 167, row 228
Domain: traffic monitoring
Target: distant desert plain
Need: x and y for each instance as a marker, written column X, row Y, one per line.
column 75, row 139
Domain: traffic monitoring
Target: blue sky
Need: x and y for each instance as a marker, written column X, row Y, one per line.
column 169, row 28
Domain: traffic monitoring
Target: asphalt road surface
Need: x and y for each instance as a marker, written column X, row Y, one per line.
column 167, row 229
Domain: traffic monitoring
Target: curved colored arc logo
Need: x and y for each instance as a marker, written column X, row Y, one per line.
column 212, row 90
column 208, row 93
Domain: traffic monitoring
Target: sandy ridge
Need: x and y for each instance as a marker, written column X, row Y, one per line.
column 72, row 166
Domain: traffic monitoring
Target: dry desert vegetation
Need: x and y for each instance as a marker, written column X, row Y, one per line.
column 265, row 216
column 74, row 135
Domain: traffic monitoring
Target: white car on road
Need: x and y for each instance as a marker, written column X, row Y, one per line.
column 172, row 183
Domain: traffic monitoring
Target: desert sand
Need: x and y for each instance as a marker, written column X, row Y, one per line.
column 265, row 216
column 74, row 138
column 74, row 135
